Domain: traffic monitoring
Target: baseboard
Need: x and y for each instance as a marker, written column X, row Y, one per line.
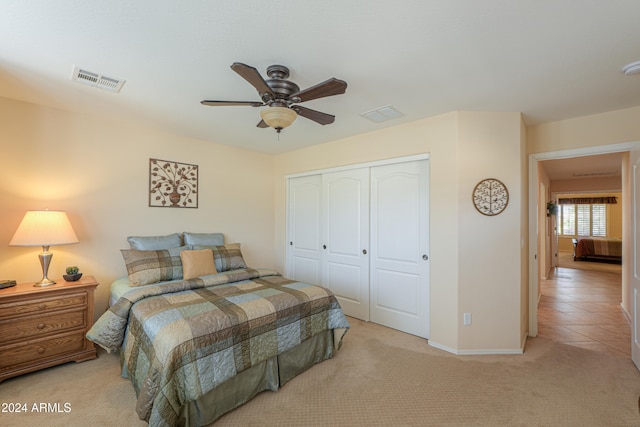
column 515, row 351
column 475, row 352
column 442, row 347
column 626, row 314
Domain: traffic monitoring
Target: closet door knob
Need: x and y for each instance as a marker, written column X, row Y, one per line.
column 425, row 257
column 324, row 246
column 364, row 251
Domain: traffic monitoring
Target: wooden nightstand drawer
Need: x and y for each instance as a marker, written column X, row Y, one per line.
column 20, row 354
column 12, row 310
column 44, row 324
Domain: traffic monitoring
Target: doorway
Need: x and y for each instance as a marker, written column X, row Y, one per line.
column 535, row 231
column 580, row 299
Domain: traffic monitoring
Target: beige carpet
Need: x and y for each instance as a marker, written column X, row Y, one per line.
column 380, row 377
column 565, row 260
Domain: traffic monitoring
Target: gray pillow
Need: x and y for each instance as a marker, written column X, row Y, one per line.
column 150, row 243
column 204, row 239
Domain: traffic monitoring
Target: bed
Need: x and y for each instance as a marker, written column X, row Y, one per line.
column 598, row 249
column 197, row 347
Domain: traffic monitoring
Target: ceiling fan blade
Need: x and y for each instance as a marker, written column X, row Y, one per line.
column 232, row 103
column 262, row 124
column 252, row 75
column 316, row 116
column 329, row 87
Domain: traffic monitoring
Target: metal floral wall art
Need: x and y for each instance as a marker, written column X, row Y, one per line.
column 490, row 197
column 172, row 184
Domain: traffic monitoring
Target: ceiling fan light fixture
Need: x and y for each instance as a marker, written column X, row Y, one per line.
column 278, row 117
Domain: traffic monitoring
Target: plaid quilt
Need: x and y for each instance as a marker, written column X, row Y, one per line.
column 181, row 339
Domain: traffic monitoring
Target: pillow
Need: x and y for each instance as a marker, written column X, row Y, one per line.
column 227, row 257
column 147, row 243
column 146, row 267
column 204, row 239
column 197, row 263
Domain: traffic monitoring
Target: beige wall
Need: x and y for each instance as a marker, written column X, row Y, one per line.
column 524, row 231
column 466, row 248
column 490, row 246
column 614, row 127
column 97, row 172
column 586, row 184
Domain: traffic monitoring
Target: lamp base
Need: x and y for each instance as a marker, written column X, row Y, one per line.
column 45, row 261
column 44, row 282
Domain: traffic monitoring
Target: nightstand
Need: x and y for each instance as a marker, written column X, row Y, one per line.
column 45, row 326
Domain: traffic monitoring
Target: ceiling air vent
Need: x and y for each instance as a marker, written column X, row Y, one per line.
column 98, row 80
column 382, row 114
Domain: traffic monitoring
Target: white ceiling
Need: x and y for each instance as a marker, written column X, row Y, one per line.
column 548, row 59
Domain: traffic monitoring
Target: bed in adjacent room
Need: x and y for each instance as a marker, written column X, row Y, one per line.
column 597, row 248
column 200, row 333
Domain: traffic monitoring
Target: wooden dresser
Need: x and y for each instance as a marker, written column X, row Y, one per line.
column 45, row 326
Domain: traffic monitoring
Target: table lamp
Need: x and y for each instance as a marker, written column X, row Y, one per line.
column 44, row 228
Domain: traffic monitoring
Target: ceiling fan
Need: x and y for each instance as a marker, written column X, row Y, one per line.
column 282, row 95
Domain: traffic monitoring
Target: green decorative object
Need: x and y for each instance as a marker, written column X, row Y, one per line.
column 73, row 274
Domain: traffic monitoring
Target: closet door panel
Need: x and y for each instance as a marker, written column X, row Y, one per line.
column 305, row 254
column 345, row 219
column 398, row 292
column 399, row 247
column 344, row 281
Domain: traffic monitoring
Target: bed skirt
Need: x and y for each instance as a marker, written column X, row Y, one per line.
column 268, row 375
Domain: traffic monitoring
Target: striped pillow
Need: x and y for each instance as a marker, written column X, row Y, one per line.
column 227, row 257
column 146, row 267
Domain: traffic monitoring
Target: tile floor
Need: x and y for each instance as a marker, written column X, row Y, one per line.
column 582, row 308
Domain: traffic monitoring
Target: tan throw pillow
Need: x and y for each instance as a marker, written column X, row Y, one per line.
column 197, row 263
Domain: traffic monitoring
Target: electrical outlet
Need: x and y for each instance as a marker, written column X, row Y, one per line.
column 467, row 318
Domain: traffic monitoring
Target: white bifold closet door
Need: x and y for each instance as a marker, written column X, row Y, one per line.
column 363, row 233
column 399, row 247
column 304, row 232
column 345, row 225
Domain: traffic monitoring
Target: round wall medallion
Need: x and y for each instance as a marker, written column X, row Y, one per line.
column 490, row 197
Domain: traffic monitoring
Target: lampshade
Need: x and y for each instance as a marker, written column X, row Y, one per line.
column 278, row 117
column 44, row 228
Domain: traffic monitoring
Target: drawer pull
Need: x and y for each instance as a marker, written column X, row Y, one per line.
column 41, row 350
column 41, row 326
